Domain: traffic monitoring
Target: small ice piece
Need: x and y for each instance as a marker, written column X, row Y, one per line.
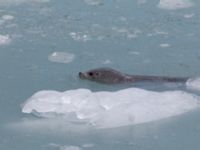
column 193, row 83
column 4, row 39
column 164, row 45
column 142, row 1
column 14, row 2
column 158, row 32
column 61, row 57
column 123, row 19
column 71, row 147
column 7, row 17
column 79, row 36
column 93, row 2
column 88, row 145
column 129, row 33
column 107, row 61
column 175, row 4
column 189, row 15
column 63, row 147
column 134, row 53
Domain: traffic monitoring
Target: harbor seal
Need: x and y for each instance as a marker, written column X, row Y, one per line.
column 111, row 76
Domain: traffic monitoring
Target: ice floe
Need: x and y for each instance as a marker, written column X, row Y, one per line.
column 14, row 2
column 175, row 4
column 105, row 109
column 79, row 36
column 93, row 2
column 64, row 147
column 189, row 15
column 7, row 17
column 107, row 61
column 129, row 33
column 164, row 45
column 141, row 1
column 61, row 57
column 5, row 39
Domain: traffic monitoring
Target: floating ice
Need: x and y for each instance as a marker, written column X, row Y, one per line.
column 7, row 17
column 134, row 53
column 88, row 145
column 107, row 61
column 129, row 33
column 193, row 83
column 158, row 32
column 141, row 1
column 111, row 109
column 93, row 2
column 65, row 147
column 13, row 2
column 79, row 36
column 189, row 15
column 4, row 39
column 164, row 45
column 70, row 148
column 175, row 4
column 61, row 57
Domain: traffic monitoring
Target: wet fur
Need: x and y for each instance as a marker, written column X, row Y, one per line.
column 111, row 76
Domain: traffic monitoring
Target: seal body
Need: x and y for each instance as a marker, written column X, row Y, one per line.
column 111, row 76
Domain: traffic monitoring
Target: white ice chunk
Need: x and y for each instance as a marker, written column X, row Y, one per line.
column 93, row 2
column 66, row 147
column 111, row 109
column 7, row 17
column 164, row 45
column 175, row 4
column 79, row 36
column 189, row 15
column 61, row 57
column 193, row 83
column 142, row 1
column 5, row 39
column 14, row 2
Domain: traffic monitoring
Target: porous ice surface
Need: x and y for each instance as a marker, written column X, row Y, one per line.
column 111, row 109
column 61, row 57
column 175, row 4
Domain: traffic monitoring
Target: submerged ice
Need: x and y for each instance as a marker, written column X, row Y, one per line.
column 175, row 4
column 5, row 39
column 13, row 2
column 61, row 57
column 111, row 109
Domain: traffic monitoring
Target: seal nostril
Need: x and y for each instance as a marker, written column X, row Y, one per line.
column 80, row 73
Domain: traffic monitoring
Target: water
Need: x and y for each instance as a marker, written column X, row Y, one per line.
column 45, row 43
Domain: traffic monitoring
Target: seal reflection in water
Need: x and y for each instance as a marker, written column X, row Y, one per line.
column 111, row 76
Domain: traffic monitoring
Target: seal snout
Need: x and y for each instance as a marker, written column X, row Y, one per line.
column 81, row 75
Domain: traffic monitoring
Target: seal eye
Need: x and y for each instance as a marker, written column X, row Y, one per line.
column 90, row 73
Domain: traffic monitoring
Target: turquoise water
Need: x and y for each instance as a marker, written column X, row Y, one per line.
column 44, row 44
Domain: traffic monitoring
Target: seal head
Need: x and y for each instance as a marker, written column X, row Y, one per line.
column 104, row 75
